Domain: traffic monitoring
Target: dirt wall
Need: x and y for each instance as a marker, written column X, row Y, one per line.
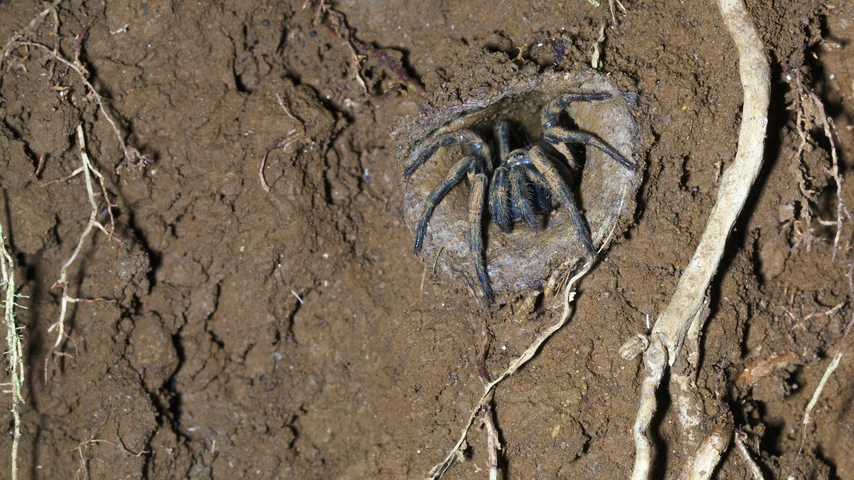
column 228, row 330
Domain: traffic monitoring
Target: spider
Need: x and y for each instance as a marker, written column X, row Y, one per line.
column 528, row 181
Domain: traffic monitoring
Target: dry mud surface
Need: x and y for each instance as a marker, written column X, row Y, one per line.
column 238, row 332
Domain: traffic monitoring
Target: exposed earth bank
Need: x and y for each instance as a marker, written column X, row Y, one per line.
column 234, row 327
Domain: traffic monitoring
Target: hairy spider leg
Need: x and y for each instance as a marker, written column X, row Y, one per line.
column 547, row 175
column 509, row 203
column 465, row 137
column 557, row 105
column 520, row 196
column 499, row 196
column 501, row 132
column 455, row 176
column 557, row 135
column 476, row 200
column 499, row 192
column 542, row 194
column 521, row 201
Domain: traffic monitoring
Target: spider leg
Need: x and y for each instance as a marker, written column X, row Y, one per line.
column 547, row 175
column 499, row 196
column 543, row 199
column 501, row 132
column 542, row 194
column 539, row 179
column 476, row 200
column 455, row 175
column 557, row 135
column 521, row 197
column 466, row 137
column 553, row 109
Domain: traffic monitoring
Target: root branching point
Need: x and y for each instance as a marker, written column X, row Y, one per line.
column 88, row 170
column 672, row 327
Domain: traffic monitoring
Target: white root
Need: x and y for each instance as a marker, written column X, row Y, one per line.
column 834, row 364
column 15, row 350
column 569, row 295
column 736, row 181
column 710, row 453
column 754, row 470
column 88, row 171
column 655, row 360
column 672, row 326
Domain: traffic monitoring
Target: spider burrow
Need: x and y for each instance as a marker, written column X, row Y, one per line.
column 513, row 151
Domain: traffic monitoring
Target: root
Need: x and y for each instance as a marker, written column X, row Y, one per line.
column 493, row 443
column 810, row 113
column 457, row 451
column 294, row 135
column 360, row 52
column 14, row 352
column 672, row 326
column 88, row 171
column 755, row 472
column 132, row 156
column 762, row 367
column 83, row 470
column 710, row 453
column 834, row 364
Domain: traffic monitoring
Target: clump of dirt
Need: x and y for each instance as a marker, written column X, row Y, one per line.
column 228, row 330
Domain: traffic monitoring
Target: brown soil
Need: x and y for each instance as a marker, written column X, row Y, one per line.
column 292, row 333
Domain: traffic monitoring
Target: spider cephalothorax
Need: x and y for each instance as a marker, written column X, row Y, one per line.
column 527, row 181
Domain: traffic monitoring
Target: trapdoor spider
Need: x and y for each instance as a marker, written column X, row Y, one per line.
column 527, row 181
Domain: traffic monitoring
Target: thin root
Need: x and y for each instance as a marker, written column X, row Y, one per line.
column 88, row 171
column 569, row 296
column 834, row 364
column 282, row 143
column 810, row 113
column 133, row 157
column 755, row 472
